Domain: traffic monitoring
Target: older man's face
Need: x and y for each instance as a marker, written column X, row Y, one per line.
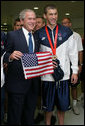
column 29, row 21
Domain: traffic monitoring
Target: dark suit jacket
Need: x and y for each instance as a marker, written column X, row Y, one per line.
column 15, row 77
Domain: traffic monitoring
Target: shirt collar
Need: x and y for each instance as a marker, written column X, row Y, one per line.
column 25, row 31
column 50, row 29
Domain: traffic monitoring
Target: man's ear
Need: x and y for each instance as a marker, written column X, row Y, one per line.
column 70, row 24
column 44, row 16
column 21, row 21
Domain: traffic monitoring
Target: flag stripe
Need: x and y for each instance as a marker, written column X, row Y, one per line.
column 38, row 68
column 46, row 63
column 41, row 56
column 45, row 59
column 43, row 53
column 38, row 72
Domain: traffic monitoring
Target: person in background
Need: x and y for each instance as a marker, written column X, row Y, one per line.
column 22, row 93
column 40, row 115
column 17, row 24
column 39, row 23
column 57, row 93
column 3, row 65
column 67, row 22
column 82, row 75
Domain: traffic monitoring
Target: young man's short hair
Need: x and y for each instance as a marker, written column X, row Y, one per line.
column 47, row 7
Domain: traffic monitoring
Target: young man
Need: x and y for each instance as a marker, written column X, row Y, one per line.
column 40, row 114
column 39, row 23
column 22, row 93
column 67, row 22
column 65, row 49
column 17, row 24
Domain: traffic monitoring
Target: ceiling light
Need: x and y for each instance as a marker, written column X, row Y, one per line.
column 73, row 1
column 36, row 8
column 67, row 14
column 4, row 23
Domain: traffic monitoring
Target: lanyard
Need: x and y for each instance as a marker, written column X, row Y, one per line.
column 55, row 41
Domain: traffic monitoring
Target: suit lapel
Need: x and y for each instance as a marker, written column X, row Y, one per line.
column 23, row 41
column 37, row 45
column 34, row 43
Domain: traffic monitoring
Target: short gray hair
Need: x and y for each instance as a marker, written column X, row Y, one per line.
column 23, row 12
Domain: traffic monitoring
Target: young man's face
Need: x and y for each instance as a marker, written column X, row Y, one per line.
column 17, row 26
column 51, row 16
column 66, row 22
column 39, row 23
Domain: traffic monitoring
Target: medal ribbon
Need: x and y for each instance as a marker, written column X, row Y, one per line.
column 55, row 41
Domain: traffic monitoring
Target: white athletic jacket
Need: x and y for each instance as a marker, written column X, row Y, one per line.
column 66, row 50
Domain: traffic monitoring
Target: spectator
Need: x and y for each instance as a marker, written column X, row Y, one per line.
column 40, row 116
column 39, row 23
column 82, row 75
column 3, row 39
column 67, row 22
column 17, row 24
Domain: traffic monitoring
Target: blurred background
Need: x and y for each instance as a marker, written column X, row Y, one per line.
column 72, row 9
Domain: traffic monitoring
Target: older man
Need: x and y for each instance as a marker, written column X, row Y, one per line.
column 22, row 93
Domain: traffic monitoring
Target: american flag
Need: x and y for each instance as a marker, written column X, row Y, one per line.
column 37, row 64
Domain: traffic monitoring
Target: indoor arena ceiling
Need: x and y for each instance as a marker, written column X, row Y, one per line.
column 11, row 9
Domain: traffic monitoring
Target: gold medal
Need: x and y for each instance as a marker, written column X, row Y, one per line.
column 54, row 57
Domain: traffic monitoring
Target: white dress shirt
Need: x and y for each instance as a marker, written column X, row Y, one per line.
column 27, row 37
